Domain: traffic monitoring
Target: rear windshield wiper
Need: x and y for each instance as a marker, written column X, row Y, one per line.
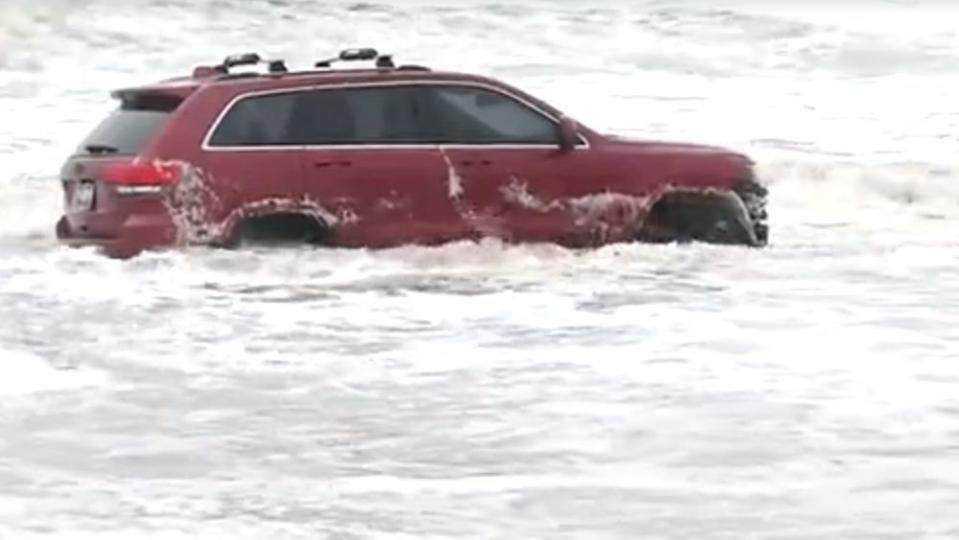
column 101, row 149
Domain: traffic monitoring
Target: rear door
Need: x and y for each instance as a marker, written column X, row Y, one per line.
column 369, row 162
column 516, row 182
column 252, row 160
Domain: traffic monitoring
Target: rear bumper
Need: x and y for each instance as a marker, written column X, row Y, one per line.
column 115, row 237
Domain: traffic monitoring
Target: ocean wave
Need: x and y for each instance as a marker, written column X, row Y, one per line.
column 24, row 373
column 813, row 186
column 29, row 211
column 21, row 20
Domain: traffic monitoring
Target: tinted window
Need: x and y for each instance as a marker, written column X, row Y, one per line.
column 129, row 128
column 468, row 115
column 258, row 121
column 323, row 117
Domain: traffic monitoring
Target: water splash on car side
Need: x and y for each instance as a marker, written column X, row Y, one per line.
column 191, row 205
column 517, row 193
column 600, row 217
column 195, row 203
column 454, row 180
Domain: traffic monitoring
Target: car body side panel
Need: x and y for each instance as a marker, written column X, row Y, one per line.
column 521, row 194
column 381, row 196
column 585, row 197
column 182, row 137
column 221, row 186
column 239, row 184
column 678, row 165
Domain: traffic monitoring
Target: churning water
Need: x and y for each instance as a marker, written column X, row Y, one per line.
column 806, row 390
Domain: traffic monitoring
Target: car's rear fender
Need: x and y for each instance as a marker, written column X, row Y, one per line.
column 225, row 233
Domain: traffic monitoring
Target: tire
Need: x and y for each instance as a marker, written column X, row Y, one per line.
column 753, row 196
column 685, row 217
column 278, row 229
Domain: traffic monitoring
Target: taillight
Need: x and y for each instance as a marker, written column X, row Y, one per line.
column 142, row 174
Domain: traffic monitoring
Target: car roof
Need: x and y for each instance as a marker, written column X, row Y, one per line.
column 242, row 83
column 324, row 72
column 255, row 81
column 346, row 77
column 277, row 77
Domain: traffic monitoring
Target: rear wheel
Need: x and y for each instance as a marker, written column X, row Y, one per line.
column 278, row 229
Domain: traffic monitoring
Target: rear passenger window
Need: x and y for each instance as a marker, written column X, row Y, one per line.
column 349, row 116
column 258, row 121
column 358, row 116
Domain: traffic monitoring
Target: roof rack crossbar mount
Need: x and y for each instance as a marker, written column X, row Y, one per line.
column 245, row 59
column 250, row 59
column 352, row 55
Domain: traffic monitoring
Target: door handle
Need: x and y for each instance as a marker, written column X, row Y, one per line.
column 332, row 163
column 480, row 162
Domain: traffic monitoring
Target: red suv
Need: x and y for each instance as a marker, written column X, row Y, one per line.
column 380, row 157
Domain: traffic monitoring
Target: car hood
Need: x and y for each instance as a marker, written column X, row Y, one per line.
column 672, row 148
column 694, row 165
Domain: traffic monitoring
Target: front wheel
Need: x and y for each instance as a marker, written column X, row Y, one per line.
column 753, row 196
column 702, row 216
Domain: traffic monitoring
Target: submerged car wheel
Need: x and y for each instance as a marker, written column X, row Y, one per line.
column 278, row 229
column 753, row 195
column 690, row 216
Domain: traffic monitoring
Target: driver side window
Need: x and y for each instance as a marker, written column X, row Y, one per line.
column 470, row 115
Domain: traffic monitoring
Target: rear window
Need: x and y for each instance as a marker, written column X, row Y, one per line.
column 130, row 127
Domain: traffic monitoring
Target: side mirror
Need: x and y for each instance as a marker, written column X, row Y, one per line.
column 568, row 134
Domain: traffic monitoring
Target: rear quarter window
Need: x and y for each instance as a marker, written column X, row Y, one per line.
column 130, row 127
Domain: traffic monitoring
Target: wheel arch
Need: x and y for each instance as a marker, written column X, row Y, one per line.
column 278, row 220
column 709, row 214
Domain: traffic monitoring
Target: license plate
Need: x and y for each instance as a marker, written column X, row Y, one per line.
column 83, row 197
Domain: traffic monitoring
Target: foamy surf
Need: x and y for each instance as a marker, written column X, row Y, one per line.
column 22, row 21
column 23, row 373
column 29, row 211
column 817, row 185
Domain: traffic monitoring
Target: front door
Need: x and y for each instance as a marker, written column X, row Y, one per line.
column 367, row 163
column 515, row 183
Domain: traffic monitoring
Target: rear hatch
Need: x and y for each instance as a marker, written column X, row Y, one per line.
column 96, row 195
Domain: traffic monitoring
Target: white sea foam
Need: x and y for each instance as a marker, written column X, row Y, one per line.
column 23, row 373
column 29, row 211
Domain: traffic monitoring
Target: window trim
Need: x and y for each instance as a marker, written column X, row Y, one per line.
column 207, row 147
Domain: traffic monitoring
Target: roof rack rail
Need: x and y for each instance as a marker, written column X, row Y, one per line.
column 235, row 60
column 224, row 69
column 383, row 61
